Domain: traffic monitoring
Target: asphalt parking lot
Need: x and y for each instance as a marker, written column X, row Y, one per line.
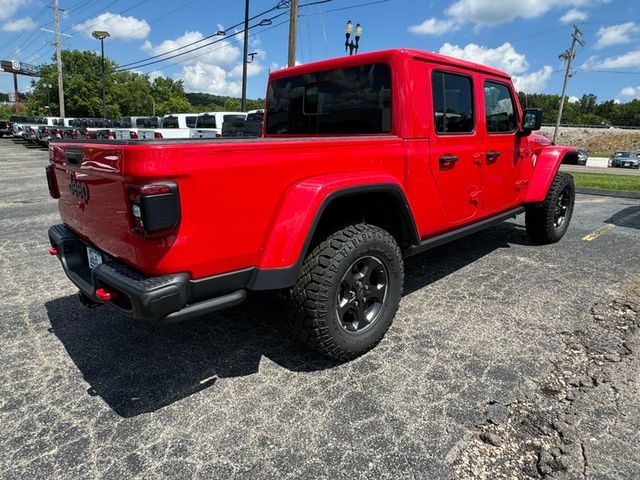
column 491, row 369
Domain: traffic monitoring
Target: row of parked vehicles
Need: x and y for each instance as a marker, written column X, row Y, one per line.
column 41, row 130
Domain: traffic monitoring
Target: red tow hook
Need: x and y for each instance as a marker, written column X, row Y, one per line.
column 105, row 295
column 53, row 251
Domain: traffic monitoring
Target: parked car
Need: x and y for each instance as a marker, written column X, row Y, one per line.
column 209, row 125
column 624, row 160
column 365, row 160
column 5, row 128
column 249, row 127
column 177, row 125
column 583, row 156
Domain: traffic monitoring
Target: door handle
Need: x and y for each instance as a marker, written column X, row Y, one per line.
column 492, row 156
column 448, row 160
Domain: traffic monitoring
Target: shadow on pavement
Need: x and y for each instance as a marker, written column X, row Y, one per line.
column 139, row 368
column 629, row 217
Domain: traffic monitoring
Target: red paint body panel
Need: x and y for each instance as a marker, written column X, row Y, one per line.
column 252, row 203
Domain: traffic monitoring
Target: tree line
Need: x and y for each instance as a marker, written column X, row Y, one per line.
column 585, row 111
column 127, row 93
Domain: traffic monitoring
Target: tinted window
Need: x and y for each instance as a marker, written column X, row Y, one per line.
column 498, row 108
column 343, row 101
column 170, row 122
column 233, row 118
column 452, row 103
column 191, row 121
column 254, row 117
column 125, row 122
column 206, row 121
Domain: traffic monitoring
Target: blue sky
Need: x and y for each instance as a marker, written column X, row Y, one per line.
column 523, row 37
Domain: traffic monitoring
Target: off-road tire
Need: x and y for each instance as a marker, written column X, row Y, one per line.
column 314, row 318
column 541, row 219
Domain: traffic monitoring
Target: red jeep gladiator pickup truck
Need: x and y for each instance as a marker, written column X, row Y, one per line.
column 363, row 160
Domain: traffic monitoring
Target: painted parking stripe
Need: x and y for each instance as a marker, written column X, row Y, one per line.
column 608, row 226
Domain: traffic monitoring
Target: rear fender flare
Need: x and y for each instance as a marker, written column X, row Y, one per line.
column 547, row 164
column 300, row 210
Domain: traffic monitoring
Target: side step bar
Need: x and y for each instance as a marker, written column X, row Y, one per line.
column 446, row 237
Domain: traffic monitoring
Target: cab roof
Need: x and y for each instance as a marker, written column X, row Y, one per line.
column 384, row 56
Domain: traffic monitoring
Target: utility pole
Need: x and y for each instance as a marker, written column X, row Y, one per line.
column 243, row 102
column 56, row 22
column 293, row 31
column 568, row 56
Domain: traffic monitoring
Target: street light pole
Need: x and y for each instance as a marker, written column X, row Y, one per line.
column 101, row 35
column 243, row 101
column 49, row 98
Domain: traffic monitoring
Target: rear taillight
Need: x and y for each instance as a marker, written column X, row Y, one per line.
column 111, row 135
column 90, row 134
column 155, row 209
column 133, row 135
column 74, row 134
column 157, row 135
column 54, row 191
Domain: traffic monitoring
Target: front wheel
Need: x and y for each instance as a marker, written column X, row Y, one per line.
column 348, row 292
column 547, row 222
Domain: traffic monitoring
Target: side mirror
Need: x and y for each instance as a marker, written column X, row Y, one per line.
column 531, row 120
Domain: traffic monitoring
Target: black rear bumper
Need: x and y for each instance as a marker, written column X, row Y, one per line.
column 167, row 298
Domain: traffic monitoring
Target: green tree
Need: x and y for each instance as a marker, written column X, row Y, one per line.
column 169, row 96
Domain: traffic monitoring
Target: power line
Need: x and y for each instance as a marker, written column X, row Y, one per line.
column 279, row 5
column 102, row 20
column 232, row 42
column 261, row 23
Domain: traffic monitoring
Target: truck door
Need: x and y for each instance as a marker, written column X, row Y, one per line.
column 500, row 162
column 456, row 147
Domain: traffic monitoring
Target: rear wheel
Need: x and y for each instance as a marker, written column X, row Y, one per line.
column 547, row 222
column 348, row 292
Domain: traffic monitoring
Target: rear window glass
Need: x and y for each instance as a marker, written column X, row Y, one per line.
column 206, row 121
column 170, row 122
column 452, row 103
column 254, row 117
column 233, row 118
column 125, row 123
column 353, row 100
column 191, row 121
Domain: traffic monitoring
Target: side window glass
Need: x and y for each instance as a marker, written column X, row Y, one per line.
column 498, row 108
column 452, row 103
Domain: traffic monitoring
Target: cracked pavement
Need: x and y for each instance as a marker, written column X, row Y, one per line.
column 491, row 330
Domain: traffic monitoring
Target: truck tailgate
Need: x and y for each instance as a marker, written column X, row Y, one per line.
column 93, row 196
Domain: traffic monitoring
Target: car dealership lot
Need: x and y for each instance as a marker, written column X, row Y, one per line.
column 89, row 393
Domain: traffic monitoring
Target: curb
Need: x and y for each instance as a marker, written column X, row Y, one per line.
column 608, row 193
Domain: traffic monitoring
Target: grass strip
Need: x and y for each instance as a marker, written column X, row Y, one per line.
column 629, row 183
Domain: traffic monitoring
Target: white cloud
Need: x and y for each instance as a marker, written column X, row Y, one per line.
column 626, row 60
column 615, row 34
column 223, row 53
column 630, row 92
column 9, row 7
column 123, row 28
column 202, row 77
column 506, row 58
column 503, row 57
column 574, row 15
column 494, row 12
column 533, row 82
column 216, row 69
column 573, row 99
column 433, row 26
column 17, row 25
